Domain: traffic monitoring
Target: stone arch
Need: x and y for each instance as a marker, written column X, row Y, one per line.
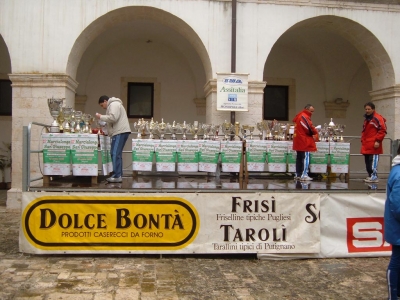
column 367, row 44
column 126, row 14
column 5, row 60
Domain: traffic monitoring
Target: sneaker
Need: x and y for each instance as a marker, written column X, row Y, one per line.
column 372, row 180
column 296, row 177
column 368, row 178
column 114, row 179
column 305, row 178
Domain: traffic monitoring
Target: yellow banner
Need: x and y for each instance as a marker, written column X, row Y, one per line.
column 99, row 223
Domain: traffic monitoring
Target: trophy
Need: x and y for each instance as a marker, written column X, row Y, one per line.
column 194, row 129
column 72, row 122
column 140, row 127
column 61, row 119
column 260, row 128
column 216, row 131
column 184, row 129
column 78, row 119
column 54, row 107
column 251, row 130
column 243, row 130
column 67, row 112
column 237, row 129
column 162, row 127
column 86, row 119
column 227, row 130
column 270, row 126
column 152, row 128
column 206, row 129
column 173, row 129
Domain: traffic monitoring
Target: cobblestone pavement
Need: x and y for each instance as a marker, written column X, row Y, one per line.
column 101, row 277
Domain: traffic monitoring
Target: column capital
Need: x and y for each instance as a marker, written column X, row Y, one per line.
column 43, row 80
column 386, row 93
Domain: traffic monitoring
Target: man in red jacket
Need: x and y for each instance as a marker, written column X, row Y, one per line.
column 304, row 139
column 373, row 133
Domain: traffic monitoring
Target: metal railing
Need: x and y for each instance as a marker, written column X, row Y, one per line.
column 27, row 151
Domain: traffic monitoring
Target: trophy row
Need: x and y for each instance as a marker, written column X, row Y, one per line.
column 68, row 120
column 267, row 130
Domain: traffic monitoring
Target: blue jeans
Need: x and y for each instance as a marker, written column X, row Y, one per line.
column 117, row 146
column 392, row 274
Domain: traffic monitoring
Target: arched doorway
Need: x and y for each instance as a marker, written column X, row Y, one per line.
column 337, row 65
column 142, row 44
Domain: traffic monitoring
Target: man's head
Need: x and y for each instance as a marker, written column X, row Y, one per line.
column 103, row 100
column 369, row 108
column 310, row 108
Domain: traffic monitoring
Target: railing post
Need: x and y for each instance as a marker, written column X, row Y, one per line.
column 25, row 159
column 394, row 147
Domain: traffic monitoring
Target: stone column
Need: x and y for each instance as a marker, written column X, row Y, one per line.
column 387, row 103
column 256, row 100
column 29, row 104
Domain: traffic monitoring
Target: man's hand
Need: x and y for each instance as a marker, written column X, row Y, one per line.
column 98, row 115
column 376, row 145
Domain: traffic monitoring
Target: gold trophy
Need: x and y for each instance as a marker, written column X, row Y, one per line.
column 55, row 107
column 227, row 130
column 237, row 130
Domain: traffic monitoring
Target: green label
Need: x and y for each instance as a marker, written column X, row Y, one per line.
column 231, row 151
column 56, row 156
column 84, row 156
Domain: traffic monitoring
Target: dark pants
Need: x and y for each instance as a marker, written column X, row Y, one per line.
column 392, row 274
column 117, row 146
column 302, row 163
column 371, row 164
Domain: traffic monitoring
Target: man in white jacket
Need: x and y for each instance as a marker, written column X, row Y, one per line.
column 118, row 129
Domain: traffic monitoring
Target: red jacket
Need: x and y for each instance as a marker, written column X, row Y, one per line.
column 374, row 130
column 304, row 132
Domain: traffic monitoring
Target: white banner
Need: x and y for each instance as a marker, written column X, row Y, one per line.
column 232, row 92
column 179, row 223
column 351, row 226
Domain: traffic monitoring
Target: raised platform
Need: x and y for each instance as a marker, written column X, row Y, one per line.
column 178, row 183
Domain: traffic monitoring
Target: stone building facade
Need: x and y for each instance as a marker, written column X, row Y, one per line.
column 79, row 50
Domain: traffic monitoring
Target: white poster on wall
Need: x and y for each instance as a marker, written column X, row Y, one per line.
column 232, row 91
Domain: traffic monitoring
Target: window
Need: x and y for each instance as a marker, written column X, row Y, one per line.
column 276, row 102
column 140, row 100
column 5, row 98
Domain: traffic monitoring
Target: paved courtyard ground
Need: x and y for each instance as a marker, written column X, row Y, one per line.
column 107, row 277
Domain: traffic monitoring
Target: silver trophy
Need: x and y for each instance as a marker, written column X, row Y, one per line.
column 162, row 128
column 173, row 129
column 184, row 129
column 194, row 129
column 152, row 127
column 67, row 112
column 86, row 119
column 55, row 108
column 78, row 119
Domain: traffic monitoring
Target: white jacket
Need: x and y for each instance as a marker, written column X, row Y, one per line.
column 116, row 117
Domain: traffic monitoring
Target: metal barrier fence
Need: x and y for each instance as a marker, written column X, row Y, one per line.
column 390, row 153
